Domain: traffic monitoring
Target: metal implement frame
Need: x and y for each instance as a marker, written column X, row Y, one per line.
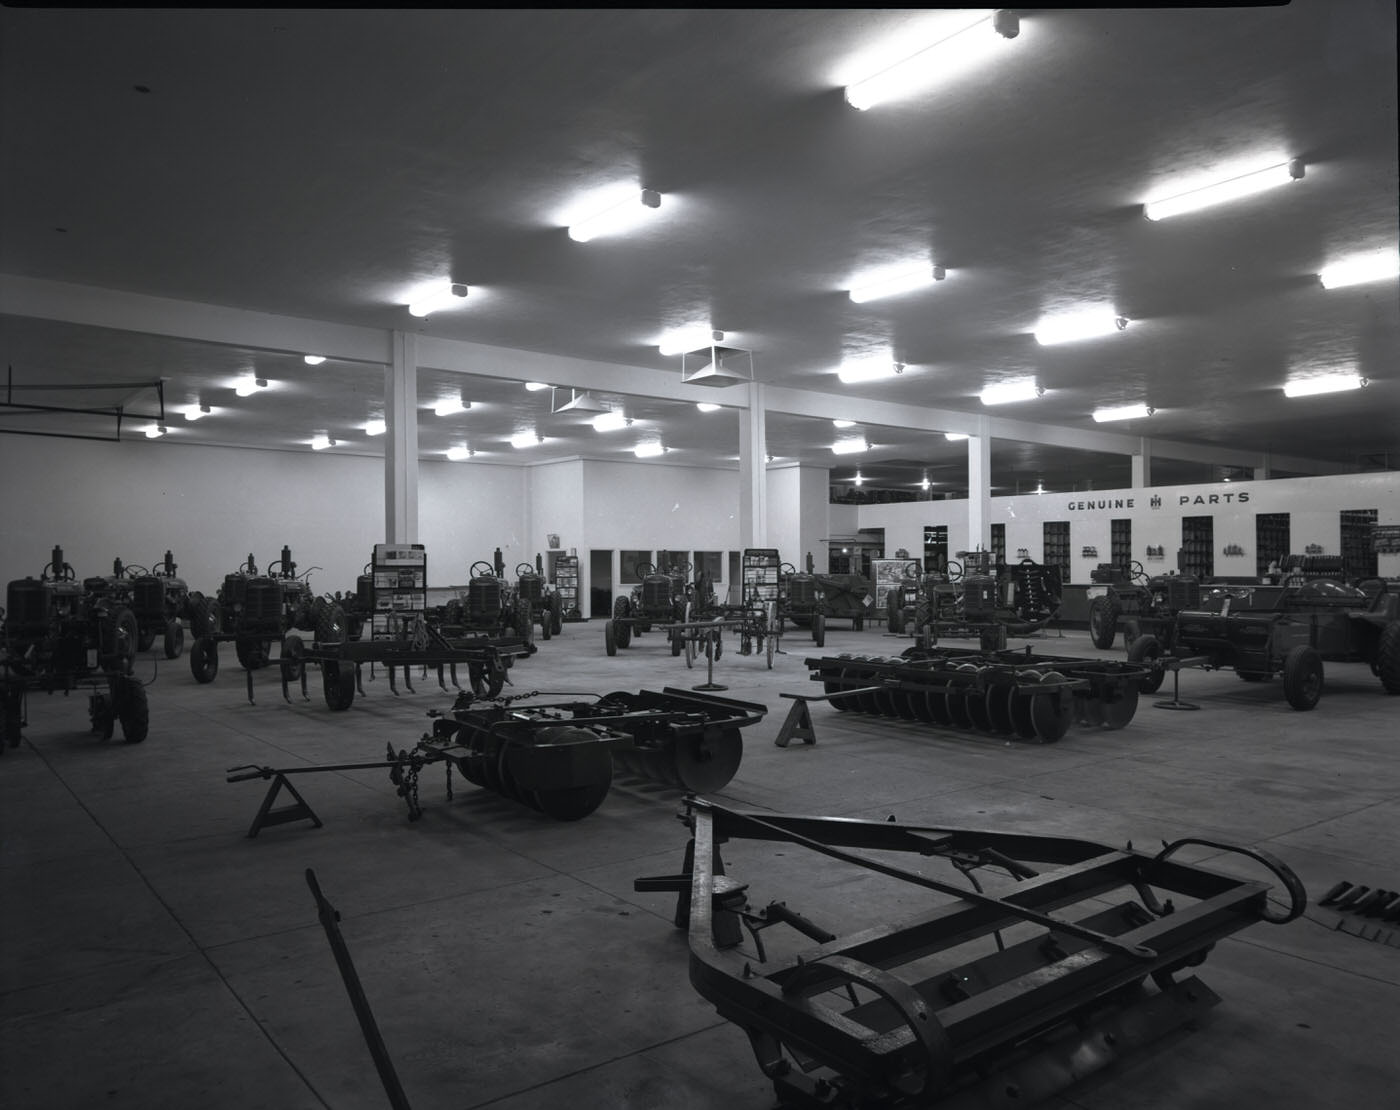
column 897, row 1015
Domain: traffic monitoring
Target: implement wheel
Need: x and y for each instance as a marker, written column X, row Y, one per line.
column 1103, row 622
column 1302, row 677
column 204, row 660
column 338, row 684
column 819, row 630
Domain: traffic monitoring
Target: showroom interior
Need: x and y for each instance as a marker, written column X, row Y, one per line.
column 759, row 294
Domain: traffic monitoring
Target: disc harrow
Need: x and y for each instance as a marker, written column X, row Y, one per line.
column 1009, row 693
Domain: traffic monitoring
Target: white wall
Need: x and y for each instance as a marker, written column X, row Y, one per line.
column 1314, row 505
column 465, row 511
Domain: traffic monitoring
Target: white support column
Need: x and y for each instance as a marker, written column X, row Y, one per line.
column 401, row 441
column 1142, row 464
column 1262, row 467
column 753, row 470
column 979, row 488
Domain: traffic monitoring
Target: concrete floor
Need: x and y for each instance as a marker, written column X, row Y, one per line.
column 151, row 955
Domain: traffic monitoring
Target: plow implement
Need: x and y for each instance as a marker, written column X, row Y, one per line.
column 996, row 991
column 1008, row 692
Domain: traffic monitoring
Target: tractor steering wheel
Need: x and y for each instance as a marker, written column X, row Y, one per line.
column 486, row 569
column 524, row 568
column 953, row 570
column 685, row 568
column 1136, row 571
column 786, row 569
column 912, row 569
column 645, row 569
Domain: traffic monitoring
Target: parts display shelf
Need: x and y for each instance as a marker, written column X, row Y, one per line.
column 400, row 573
column 1197, row 554
column 1358, row 549
column 1272, row 541
column 566, row 586
column 1055, row 537
column 759, row 576
column 1120, row 544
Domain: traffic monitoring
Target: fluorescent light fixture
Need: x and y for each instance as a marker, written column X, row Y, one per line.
column 1325, row 383
column 1242, row 185
column 1366, row 267
column 457, row 454
column 246, row 387
column 1007, row 392
column 610, row 421
column 648, row 450
column 617, row 218
column 450, row 406
column 684, row 340
column 320, row 442
column 196, row 412
column 976, row 36
column 868, row 370
column 707, row 406
column 313, row 360
column 535, row 387
column 525, row 439
column 376, row 428
column 437, row 298
column 1073, row 326
column 859, row 479
column 1123, row 412
column 849, row 447
column 953, row 437
column 901, row 281
column 843, row 423
column 924, row 482
column 155, row 431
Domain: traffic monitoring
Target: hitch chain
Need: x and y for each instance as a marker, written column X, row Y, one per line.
column 404, row 775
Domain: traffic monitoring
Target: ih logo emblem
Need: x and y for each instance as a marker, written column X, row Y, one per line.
column 1156, row 502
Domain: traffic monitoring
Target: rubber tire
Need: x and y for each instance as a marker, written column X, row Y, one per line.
column 1144, row 649
column 556, row 614
column 132, row 709
column 338, row 684
column 1388, row 658
column 676, row 643
column 118, row 636
column 819, row 630
column 1302, row 677
column 204, row 660
column 144, row 639
column 174, row 640
column 253, row 655
column 1103, row 622
column 546, row 625
column 610, row 637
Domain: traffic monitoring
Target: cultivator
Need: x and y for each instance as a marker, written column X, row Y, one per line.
column 1008, row 692
column 1002, row 992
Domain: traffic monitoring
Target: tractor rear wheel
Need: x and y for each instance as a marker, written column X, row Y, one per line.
column 1388, row 658
column 556, row 614
column 1302, row 677
column 610, row 637
column 338, row 684
column 1103, row 622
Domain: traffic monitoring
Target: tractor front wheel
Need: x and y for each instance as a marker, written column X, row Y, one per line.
column 204, row 660
column 1302, row 677
column 1388, row 658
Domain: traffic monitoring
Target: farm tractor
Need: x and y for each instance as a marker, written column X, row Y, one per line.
column 57, row 635
column 659, row 598
column 491, row 607
column 546, row 608
column 810, row 600
column 156, row 597
column 1137, row 604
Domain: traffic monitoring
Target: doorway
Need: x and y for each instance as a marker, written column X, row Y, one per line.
column 600, row 580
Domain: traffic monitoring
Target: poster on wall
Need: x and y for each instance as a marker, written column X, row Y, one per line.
column 888, row 573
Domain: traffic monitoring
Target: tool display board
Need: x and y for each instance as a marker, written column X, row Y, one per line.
column 400, row 573
column 759, row 576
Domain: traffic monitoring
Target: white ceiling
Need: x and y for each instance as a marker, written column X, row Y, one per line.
column 315, row 166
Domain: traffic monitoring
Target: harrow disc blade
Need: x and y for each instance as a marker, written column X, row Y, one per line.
column 707, row 762
column 1119, row 710
column 1022, row 720
column 1050, row 713
column 936, row 703
column 570, row 803
column 999, row 698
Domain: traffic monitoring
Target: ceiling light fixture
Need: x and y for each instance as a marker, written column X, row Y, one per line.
column 457, row 454
column 955, row 52
column 707, row 406
column 1073, row 326
column 535, row 387
column 1325, row 383
column 376, row 428
column 155, row 431
column 1123, row 412
column 313, row 360
column 246, row 387
column 648, row 450
column 617, row 218
column 849, row 447
column 1007, row 392
column 521, row 440
column 868, row 370
column 320, row 442
column 684, row 340
column 859, row 479
column 610, row 421
column 450, row 406
column 1243, row 185
column 1366, row 267
column 924, row 482
column 953, row 437
column 196, row 412
column 903, row 281
column 438, row 298
column 843, row 423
